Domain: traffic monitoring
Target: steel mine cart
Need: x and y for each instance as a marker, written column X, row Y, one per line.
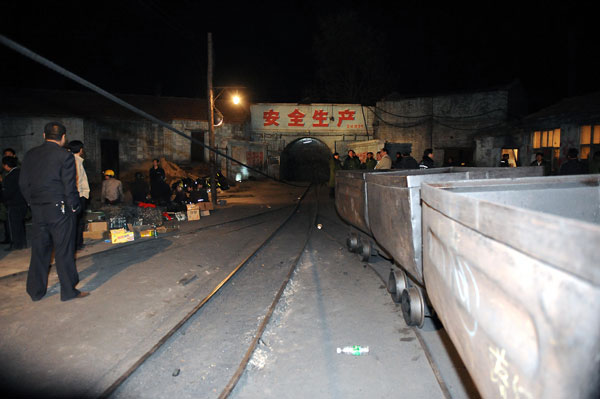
column 512, row 268
column 393, row 202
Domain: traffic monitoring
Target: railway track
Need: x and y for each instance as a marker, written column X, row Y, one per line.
column 227, row 280
column 299, row 226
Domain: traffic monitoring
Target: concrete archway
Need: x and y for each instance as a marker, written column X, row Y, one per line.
column 305, row 159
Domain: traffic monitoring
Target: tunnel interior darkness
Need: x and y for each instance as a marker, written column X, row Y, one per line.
column 305, row 159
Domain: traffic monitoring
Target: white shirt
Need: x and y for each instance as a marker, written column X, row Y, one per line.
column 82, row 181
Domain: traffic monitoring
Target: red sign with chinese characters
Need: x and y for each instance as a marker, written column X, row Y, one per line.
column 306, row 118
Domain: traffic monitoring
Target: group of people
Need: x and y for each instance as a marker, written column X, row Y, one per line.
column 381, row 161
column 572, row 166
column 174, row 197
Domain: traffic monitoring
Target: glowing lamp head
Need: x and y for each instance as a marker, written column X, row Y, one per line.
column 236, row 99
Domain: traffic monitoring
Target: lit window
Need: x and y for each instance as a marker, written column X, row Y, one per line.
column 536, row 139
column 589, row 140
column 556, row 138
column 585, row 134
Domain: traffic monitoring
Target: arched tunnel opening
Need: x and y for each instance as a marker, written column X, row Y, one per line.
column 305, row 159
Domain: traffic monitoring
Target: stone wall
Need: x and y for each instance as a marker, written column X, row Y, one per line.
column 439, row 122
column 24, row 133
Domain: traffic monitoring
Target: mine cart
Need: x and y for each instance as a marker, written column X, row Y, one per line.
column 394, row 215
column 512, row 268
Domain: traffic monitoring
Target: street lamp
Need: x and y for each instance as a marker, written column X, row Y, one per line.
column 212, row 109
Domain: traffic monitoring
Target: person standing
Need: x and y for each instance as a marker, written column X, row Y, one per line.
column 540, row 161
column 48, row 183
column 504, row 162
column 157, row 179
column 385, row 162
column 573, row 166
column 397, row 164
column 351, row 162
column 408, row 162
column 427, row 161
column 112, row 188
column 7, row 152
column 334, row 165
column 370, row 162
column 83, row 188
column 15, row 204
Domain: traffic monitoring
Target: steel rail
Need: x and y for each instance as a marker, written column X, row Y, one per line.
column 263, row 325
column 119, row 381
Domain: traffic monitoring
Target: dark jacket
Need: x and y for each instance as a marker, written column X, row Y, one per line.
column 48, row 176
column 156, row 175
column 426, row 163
column 409, row 163
column 11, row 192
column 334, row 166
column 351, row 163
column 370, row 163
column 139, row 190
column 573, row 167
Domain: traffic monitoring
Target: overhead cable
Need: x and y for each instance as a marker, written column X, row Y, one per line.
column 49, row 64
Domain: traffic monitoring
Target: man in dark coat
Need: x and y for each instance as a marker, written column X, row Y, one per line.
column 351, row 162
column 334, row 165
column 48, row 184
column 157, row 179
column 370, row 162
column 573, row 166
column 15, row 203
column 408, row 162
column 427, row 161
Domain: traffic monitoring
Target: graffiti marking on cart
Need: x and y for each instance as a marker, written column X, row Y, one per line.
column 500, row 375
column 457, row 274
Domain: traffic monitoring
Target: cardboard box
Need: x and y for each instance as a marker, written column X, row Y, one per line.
column 94, row 235
column 204, row 213
column 120, row 235
column 193, row 212
column 97, row 226
column 147, row 233
column 205, row 206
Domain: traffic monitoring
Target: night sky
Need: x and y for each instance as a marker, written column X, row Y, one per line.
column 290, row 51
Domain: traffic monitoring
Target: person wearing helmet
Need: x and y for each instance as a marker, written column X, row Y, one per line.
column 112, row 188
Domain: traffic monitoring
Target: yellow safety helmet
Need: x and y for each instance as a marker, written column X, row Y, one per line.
column 109, row 172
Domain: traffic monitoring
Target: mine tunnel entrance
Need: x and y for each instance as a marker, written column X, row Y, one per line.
column 305, row 159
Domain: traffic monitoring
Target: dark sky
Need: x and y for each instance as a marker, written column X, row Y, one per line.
column 155, row 46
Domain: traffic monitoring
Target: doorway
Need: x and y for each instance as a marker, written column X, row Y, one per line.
column 198, row 149
column 513, row 156
column 109, row 155
column 458, row 157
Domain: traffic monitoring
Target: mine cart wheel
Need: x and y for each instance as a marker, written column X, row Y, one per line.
column 413, row 307
column 365, row 250
column 352, row 242
column 397, row 283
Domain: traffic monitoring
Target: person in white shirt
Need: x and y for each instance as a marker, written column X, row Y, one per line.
column 83, row 187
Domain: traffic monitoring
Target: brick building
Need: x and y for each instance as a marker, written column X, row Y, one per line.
column 113, row 136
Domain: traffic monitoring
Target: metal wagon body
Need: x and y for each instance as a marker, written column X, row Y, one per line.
column 512, row 268
column 394, row 207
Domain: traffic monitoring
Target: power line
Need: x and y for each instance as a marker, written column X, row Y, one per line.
column 56, row 68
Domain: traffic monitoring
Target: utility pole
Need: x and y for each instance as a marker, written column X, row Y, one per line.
column 211, row 122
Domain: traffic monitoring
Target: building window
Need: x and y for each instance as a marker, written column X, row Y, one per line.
column 548, row 143
column 589, row 140
column 546, row 139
